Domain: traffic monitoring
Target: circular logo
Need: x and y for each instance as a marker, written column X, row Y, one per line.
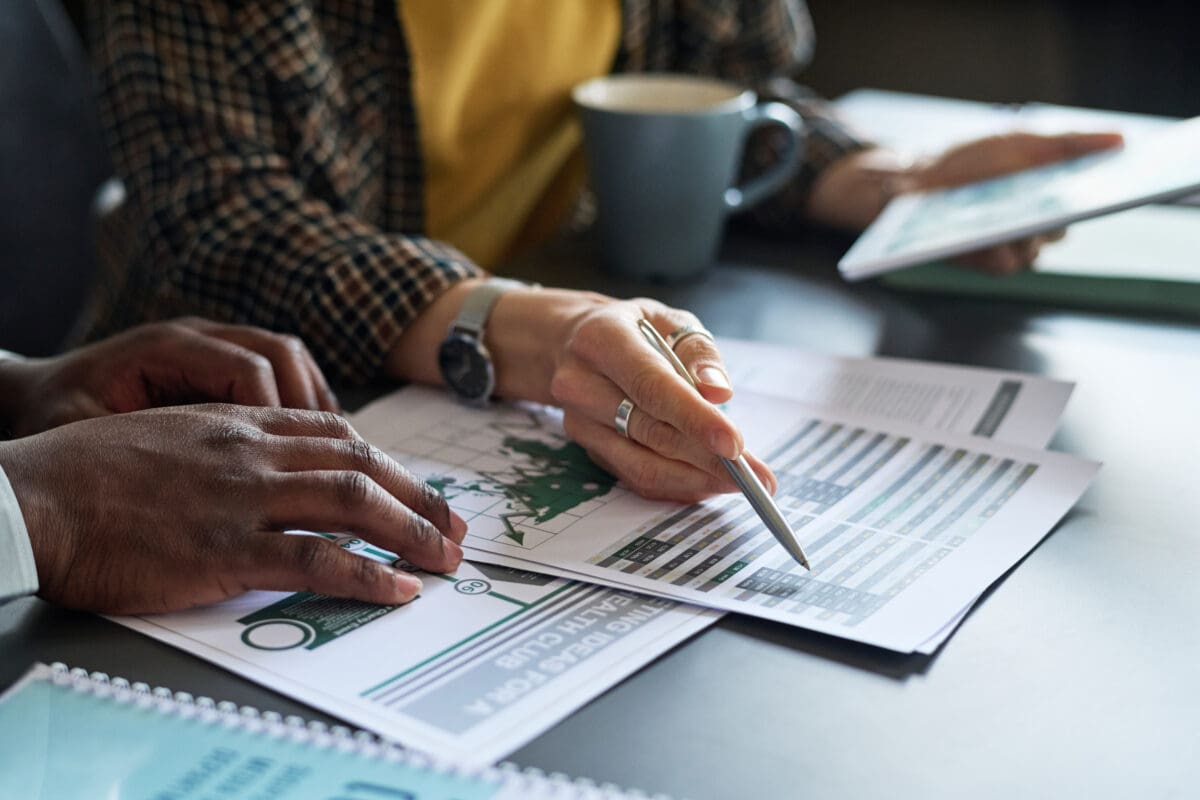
column 472, row 586
column 351, row 543
column 278, row 634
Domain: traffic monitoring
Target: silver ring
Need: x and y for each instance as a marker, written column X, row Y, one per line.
column 624, row 412
column 679, row 334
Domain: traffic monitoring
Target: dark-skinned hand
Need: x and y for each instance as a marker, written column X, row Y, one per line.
column 168, row 363
column 159, row 510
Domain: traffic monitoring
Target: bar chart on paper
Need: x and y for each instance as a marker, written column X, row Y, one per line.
column 866, row 547
column 905, row 526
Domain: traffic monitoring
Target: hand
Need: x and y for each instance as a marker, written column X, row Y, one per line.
column 161, row 510
column 999, row 155
column 852, row 192
column 598, row 358
column 584, row 352
column 168, row 363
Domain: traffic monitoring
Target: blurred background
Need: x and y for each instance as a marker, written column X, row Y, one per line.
column 1123, row 55
column 1116, row 54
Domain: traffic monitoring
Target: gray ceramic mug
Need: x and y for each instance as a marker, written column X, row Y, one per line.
column 663, row 154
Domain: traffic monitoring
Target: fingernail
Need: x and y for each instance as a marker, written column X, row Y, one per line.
column 451, row 547
column 409, row 585
column 458, row 525
column 713, row 376
column 724, row 445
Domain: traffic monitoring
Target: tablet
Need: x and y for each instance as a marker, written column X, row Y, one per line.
column 927, row 226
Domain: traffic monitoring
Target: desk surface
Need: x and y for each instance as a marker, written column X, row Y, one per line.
column 1075, row 676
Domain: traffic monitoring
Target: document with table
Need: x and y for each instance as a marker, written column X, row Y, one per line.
column 1008, row 406
column 912, row 486
column 904, row 526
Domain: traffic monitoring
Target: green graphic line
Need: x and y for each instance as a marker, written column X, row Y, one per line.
column 512, row 600
column 469, row 639
column 497, row 595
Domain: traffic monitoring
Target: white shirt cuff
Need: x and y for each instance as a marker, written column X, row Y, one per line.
column 18, row 570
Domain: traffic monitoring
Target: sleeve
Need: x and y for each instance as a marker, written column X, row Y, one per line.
column 228, row 228
column 18, row 571
column 758, row 43
column 771, row 42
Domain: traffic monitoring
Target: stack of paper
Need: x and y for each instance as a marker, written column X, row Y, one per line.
column 912, row 486
column 906, row 500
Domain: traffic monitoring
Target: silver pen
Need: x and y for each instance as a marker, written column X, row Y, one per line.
column 760, row 499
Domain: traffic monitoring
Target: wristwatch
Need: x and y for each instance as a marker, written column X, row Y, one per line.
column 463, row 358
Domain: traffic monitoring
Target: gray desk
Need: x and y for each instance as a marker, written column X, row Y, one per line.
column 1077, row 676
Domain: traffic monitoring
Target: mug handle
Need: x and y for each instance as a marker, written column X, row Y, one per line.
column 754, row 191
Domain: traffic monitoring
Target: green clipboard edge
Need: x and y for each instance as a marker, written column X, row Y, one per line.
column 1047, row 288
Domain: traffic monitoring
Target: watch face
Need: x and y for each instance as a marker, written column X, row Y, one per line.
column 466, row 367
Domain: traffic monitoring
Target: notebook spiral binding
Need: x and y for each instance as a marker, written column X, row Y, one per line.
column 339, row 737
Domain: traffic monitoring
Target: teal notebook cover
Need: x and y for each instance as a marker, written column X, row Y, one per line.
column 66, row 736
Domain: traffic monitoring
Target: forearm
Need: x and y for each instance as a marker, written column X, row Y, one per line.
column 827, row 145
column 524, row 333
column 239, row 221
column 344, row 286
column 850, row 193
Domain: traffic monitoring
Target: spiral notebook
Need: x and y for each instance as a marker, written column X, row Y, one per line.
column 67, row 734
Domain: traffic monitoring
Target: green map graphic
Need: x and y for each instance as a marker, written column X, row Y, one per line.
column 545, row 479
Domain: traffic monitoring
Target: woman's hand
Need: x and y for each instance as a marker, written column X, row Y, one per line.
column 676, row 436
column 583, row 352
column 852, row 192
column 184, row 361
column 166, row 509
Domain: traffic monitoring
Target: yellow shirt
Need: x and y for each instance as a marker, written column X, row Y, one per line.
column 499, row 139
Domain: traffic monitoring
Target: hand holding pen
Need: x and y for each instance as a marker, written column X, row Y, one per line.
column 676, row 434
column 625, row 402
column 739, row 469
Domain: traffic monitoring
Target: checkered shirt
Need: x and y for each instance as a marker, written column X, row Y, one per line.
column 273, row 166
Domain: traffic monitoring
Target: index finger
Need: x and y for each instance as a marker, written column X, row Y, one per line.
column 694, row 346
column 615, row 347
column 211, row 368
column 301, row 382
column 333, row 500
column 297, row 454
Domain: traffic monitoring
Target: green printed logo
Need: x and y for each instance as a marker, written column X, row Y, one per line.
column 307, row 620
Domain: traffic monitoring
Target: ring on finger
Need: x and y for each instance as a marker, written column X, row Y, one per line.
column 624, row 412
column 679, row 334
